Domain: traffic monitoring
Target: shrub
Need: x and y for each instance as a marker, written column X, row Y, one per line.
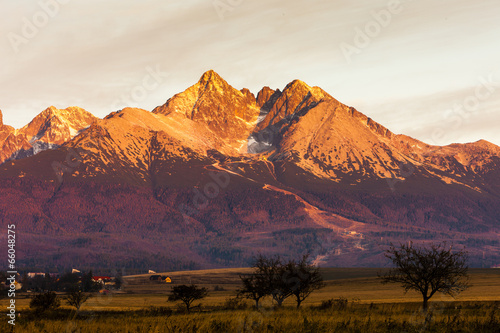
column 337, row 303
column 325, row 305
column 158, row 311
column 234, row 303
column 219, row 326
column 219, row 288
column 45, row 301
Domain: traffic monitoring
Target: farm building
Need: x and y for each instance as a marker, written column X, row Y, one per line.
column 158, row 277
column 101, row 279
column 32, row 275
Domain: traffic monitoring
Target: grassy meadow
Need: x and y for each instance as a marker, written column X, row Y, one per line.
column 141, row 306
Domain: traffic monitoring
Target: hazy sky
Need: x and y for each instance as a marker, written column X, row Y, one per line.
column 426, row 68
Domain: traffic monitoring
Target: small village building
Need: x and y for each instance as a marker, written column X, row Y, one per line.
column 32, row 275
column 101, row 279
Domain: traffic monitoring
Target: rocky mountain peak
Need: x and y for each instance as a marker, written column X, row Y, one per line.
column 296, row 98
column 264, row 95
column 248, row 93
column 49, row 129
column 224, row 110
column 210, row 76
column 210, row 81
column 297, row 84
column 485, row 145
column 301, row 88
column 5, row 131
column 51, row 109
column 58, row 122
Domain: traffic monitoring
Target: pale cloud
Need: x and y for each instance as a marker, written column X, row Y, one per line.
column 93, row 52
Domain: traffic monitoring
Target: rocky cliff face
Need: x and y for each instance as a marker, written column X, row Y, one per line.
column 50, row 129
column 55, row 127
column 297, row 97
column 279, row 109
column 10, row 143
column 227, row 112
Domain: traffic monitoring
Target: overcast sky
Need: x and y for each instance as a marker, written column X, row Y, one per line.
column 424, row 68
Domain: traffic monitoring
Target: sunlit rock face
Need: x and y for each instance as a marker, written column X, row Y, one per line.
column 229, row 113
column 48, row 130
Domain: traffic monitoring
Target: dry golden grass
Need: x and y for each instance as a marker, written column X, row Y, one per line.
column 389, row 317
column 352, row 283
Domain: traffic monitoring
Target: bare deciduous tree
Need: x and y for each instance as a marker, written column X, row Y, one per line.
column 76, row 299
column 302, row 279
column 187, row 294
column 428, row 270
column 254, row 287
column 280, row 280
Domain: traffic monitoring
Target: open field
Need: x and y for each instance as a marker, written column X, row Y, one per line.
column 361, row 284
column 131, row 310
column 351, row 283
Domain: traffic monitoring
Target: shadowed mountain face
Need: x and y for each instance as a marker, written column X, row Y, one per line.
column 217, row 175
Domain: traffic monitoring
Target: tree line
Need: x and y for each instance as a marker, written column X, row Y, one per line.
column 279, row 279
column 425, row 269
column 68, row 282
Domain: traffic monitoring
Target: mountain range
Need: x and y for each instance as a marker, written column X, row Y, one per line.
column 217, row 175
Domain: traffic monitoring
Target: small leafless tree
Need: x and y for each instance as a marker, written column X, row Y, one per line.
column 428, row 270
column 76, row 299
column 187, row 294
column 254, row 287
column 302, row 278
